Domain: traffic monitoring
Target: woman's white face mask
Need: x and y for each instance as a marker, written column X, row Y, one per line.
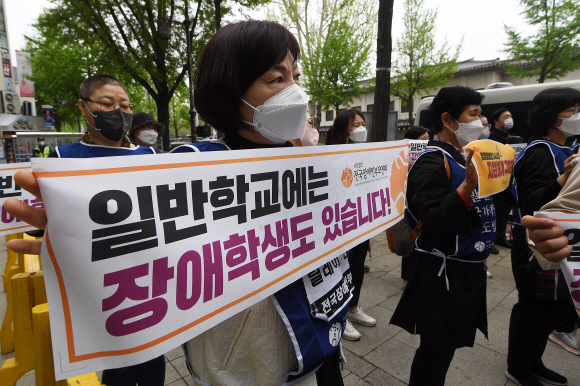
column 358, row 135
column 570, row 126
column 281, row 118
column 467, row 131
column 148, row 136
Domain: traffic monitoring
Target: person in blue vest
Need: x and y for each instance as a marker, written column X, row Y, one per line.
column 445, row 298
column 41, row 149
column 106, row 108
column 248, row 87
column 540, row 171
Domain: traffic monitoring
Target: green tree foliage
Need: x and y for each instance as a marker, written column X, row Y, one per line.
column 336, row 38
column 122, row 38
column 554, row 50
column 419, row 66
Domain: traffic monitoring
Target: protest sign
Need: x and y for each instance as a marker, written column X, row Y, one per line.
column 143, row 253
column 416, row 147
column 494, row 163
column 9, row 189
column 571, row 265
column 518, row 147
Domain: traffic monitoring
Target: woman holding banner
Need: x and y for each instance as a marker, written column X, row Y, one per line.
column 248, row 87
column 445, row 299
column 540, row 171
column 350, row 127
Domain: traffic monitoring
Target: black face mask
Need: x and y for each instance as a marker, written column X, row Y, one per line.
column 113, row 124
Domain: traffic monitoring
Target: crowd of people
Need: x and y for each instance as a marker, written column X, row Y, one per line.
column 248, row 88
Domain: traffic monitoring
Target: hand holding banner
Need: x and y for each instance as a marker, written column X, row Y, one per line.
column 570, row 266
column 494, row 163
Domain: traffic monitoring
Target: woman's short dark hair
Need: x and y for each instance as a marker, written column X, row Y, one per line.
column 91, row 84
column 338, row 133
column 415, row 132
column 496, row 114
column 547, row 105
column 237, row 55
column 452, row 100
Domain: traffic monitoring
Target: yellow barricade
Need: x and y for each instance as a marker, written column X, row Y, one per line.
column 44, row 364
column 12, row 268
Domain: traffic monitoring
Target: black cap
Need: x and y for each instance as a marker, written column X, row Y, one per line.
column 141, row 119
column 40, row 139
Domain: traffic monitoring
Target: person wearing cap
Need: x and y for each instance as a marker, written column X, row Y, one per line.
column 145, row 130
column 41, row 149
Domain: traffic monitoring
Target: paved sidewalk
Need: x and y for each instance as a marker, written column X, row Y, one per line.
column 383, row 355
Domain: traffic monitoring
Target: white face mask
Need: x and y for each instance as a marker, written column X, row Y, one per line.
column 508, row 123
column 358, row 135
column 467, row 132
column 485, row 133
column 281, row 118
column 570, row 126
column 41, row 143
column 148, row 136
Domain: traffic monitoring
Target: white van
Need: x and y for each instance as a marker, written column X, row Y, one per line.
column 516, row 99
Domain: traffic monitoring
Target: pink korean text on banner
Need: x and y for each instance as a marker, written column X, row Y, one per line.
column 571, row 265
column 9, row 189
column 416, row 147
column 145, row 253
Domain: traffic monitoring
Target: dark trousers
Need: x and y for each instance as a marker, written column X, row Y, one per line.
column 568, row 320
column 329, row 373
column 532, row 319
column 356, row 259
column 430, row 365
column 503, row 203
column 150, row 373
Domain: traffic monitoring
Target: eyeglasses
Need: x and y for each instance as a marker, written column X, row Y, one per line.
column 311, row 121
column 109, row 106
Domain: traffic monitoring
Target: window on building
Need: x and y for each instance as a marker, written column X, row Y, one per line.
column 404, row 107
column 330, row 115
column 392, row 106
column 357, row 107
column 370, row 107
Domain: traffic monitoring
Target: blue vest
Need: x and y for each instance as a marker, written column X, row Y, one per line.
column 559, row 153
column 475, row 247
column 84, row 150
column 310, row 336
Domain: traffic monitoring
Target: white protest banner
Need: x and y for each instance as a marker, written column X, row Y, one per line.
column 9, row 189
column 416, row 147
column 143, row 253
column 571, row 265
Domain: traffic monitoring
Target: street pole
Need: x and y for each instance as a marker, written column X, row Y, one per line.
column 192, row 111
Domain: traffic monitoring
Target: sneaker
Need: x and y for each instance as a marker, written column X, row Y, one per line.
column 350, row 332
column 549, row 376
column 358, row 316
column 566, row 340
column 488, row 274
column 367, row 268
column 504, row 242
column 494, row 250
column 523, row 380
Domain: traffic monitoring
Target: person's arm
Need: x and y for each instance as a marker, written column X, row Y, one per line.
column 548, row 238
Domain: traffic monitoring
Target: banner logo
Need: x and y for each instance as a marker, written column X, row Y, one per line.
column 399, row 173
column 346, row 177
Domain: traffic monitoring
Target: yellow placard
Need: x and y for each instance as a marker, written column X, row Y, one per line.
column 494, row 163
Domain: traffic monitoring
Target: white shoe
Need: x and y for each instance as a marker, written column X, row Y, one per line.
column 350, row 332
column 358, row 316
column 488, row 274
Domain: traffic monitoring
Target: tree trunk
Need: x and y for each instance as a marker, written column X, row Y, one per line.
column 318, row 116
column 411, row 105
column 163, row 116
column 383, row 82
column 218, row 14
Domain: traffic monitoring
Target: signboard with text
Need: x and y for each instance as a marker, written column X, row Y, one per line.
column 494, row 163
column 143, row 253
